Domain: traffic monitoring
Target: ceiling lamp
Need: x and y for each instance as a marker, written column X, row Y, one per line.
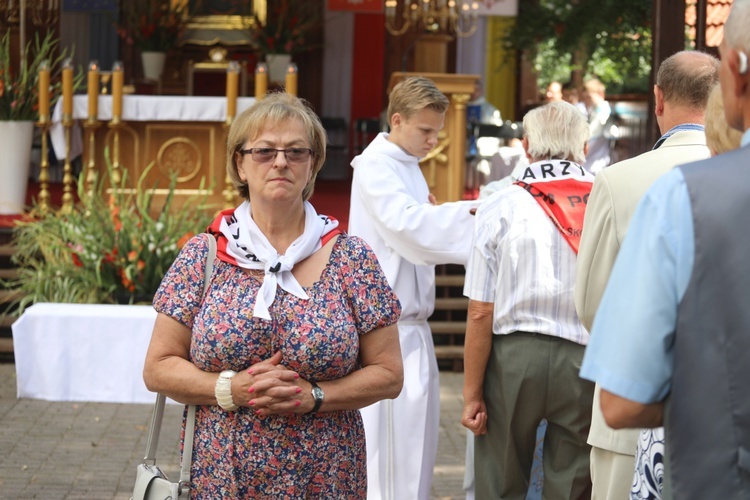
column 457, row 17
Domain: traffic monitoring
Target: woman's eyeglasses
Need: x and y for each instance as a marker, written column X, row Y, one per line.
column 292, row 155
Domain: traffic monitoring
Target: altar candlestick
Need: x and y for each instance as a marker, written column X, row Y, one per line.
column 261, row 80
column 67, row 87
column 233, row 75
column 93, row 90
column 117, row 81
column 291, row 79
column 44, row 91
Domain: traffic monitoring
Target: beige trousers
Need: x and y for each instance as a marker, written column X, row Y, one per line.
column 611, row 474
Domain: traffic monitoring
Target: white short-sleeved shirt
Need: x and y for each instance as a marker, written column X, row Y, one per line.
column 522, row 264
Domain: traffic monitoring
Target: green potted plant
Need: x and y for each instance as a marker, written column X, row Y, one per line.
column 113, row 247
column 291, row 27
column 153, row 28
column 19, row 108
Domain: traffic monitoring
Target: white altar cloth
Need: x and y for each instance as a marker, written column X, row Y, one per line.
column 83, row 352
column 141, row 108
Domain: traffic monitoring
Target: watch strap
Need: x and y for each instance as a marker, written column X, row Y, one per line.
column 318, row 401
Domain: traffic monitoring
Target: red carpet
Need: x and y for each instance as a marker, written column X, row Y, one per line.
column 331, row 197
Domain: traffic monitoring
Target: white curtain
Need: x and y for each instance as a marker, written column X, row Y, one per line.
column 337, row 64
column 471, row 52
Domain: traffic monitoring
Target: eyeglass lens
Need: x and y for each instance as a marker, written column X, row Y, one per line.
column 293, row 155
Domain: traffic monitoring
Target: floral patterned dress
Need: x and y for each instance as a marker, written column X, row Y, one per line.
column 238, row 454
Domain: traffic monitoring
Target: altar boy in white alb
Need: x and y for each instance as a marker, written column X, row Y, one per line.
column 393, row 211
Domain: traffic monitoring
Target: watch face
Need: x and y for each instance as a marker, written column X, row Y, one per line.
column 317, row 393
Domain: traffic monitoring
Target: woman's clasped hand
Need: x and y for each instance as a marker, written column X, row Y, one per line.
column 270, row 388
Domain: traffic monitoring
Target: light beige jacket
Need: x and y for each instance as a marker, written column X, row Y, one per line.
column 614, row 197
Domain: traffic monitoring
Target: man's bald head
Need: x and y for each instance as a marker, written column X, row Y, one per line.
column 687, row 78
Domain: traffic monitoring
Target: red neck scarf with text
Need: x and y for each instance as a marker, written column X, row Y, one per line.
column 562, row 189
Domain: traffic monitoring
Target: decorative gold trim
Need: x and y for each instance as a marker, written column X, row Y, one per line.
column 109, row 141
column 460, row 100
column 212, row 65
column 178, row 159
column 227, row 30
column 437, row 152
column 189, row 192
column 205, row 128
column 435, row 159
column 219, row 22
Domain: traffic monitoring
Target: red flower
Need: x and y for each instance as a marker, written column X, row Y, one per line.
column 110, row 256
column 182, row 241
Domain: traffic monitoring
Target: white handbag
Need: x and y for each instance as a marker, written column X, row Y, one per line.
column 150, row 481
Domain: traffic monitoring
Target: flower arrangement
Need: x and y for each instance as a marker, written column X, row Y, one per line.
column 289, row 27
column 153, row 26
column 19, row 93
column 108, row 249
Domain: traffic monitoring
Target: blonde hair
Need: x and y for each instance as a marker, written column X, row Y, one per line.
column 556, row 131
column 414, row 94
column 720, row 137
column 273, row 109
column 595, row 85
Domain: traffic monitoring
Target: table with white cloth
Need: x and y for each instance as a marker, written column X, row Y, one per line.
column 83, row 352
column 186, row 135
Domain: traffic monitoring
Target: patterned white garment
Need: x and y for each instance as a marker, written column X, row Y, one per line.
column 648, row 477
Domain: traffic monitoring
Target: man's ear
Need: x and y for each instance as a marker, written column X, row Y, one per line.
column 525, row 144
column 658, row 101
column 396, row 120
column 586, row 149
column 740, row 80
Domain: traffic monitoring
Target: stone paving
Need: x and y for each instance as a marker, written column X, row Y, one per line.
column 91, row 450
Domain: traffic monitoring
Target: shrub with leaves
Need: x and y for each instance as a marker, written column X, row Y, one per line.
column 109, row 248
column 19, row 91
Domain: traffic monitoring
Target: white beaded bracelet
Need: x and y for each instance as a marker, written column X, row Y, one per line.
column 223, row 390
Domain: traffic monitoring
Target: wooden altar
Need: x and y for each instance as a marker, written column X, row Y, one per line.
column 445, row 167
column 178, row 134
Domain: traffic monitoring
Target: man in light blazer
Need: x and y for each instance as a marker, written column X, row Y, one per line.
column 683, row 84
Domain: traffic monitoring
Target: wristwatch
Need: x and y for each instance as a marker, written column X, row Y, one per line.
column 318, row 395
column 223, row 390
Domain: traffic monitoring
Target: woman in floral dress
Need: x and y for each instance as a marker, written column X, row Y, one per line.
column 296, row 332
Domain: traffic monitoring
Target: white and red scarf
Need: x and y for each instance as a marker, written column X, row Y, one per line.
column 562, row 189
column 241, row 243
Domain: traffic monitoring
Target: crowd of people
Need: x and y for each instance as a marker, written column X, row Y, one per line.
column 604, row 300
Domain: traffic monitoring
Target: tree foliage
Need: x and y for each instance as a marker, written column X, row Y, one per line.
column 607, row 38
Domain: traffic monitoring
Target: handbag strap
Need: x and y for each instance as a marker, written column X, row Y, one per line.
column 158, row 415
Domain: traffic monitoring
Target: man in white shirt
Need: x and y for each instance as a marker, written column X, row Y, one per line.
column 524, row 342
column 599, row 113
column 393, row 211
